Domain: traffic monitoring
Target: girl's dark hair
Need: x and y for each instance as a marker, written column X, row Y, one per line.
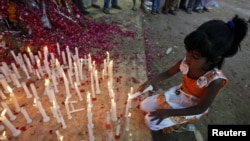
column 216, row 39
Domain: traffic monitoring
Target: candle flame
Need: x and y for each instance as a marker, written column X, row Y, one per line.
column 129, row 114
column 46, row 82
column 4, row 132
column 28, row 49
column 9, row 89
column 3, row 112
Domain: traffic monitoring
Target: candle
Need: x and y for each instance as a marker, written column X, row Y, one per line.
column 89, row 101
column 130, row 137
column 117, row 133
column 3, row 137
column 25, row 114
column 70, row 79
column 47, row 89
column 33, row 88
column 89, row 62
column 9, row 112
column 42, row 111
column 58, row 49
column 14, row 99
column 66, row 84
column 76, row 74
column 25, row 71
column 14, row 56
column 2, row 94
column 15, row 70
column 104, row 67
column 98, row 91
column 38, row 74
column 128, row 105
column 6, row 122
column 89, row 115
column 26, row 90
column 27, row 60
column 15, row 80
column 91, row 135
column 45, row 52
column 6, row 74
column 38, row 62
column 69, row 59
column 67, row 108
column 128, row 122
column 113, row 110
column 108, row 125
column 92, row 85
column 107, row 57
column 55, row 83
column 32, row 58
column 4, row 83
column 77, row 54
column 78, row 92
column 64, row 58
column 110, row 73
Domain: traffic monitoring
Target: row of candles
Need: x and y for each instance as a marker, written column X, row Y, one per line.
column 55, row 71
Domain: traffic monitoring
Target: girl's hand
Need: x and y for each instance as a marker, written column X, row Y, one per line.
column 159, row 114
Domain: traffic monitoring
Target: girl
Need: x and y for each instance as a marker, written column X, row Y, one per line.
column 206, row 47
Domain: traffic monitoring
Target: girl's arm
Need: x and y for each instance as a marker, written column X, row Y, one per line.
column 204, row 103
column 162, row 76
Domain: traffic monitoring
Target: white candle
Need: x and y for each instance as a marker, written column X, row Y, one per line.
column 89, row 62
column 108, row 125
column 66, row 84
column 77, row 54
column 33, row 88
column 6, row 122
column 15, row 80
column 117, row 133
column 80, row 69
column 128, row 105
column 4, row 83
column 64, row 58
column 58, row 49
column 32, row 58
column 107, row 57
column 110, row 73
column 70, row 79
column 45, row 52
column 78, row 92
column 104, row 67
column 14, row 99
column 92, row 84
column 26, row 90
column 25, row 71
column 69, row 59
column 47, row 89
column 113, row 110
column 15, row 70
column 55, row 83
column 3, row 136
column 128, row 122
column 9, row 112
column 89, row 115
column 14, row 56
column 25, row 114
column 42, row 111
column 98, row 91
column 130, row 137
column 6, row 74
column 91, row 135
column 38, row 62
column 89, row 100
column 76, row 74
column 27, row 60
column 67, row 108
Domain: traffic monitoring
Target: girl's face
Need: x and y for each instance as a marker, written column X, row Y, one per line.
column 195, row 60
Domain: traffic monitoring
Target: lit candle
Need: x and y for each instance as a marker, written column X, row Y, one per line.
column 42, row 111
column 14, row 99
column 66, row 84
column 113, row 110
column 33, row 88
column 6, row 122
column 3, row 137
column 128, row 105
column 32, row 58
column 26, row 90
column 98, row 91
column 15, row 70
column 38, row 62
column 25, row 114
column 128, row 122
column 89, row 101
column 130, row 137
column 47, row 89
column 9, row 112
column 78, row 92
